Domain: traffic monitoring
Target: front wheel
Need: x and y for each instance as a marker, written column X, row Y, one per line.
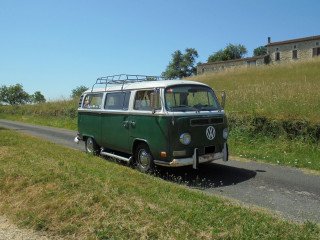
column 91, row 146
column 144, row 158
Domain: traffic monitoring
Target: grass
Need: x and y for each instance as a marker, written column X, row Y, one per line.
column 69, row 194
column 286, row 91
column 60, row 114
column 281, row 151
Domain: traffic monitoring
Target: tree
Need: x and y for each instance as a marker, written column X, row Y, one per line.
column 229, row 53
column 260, row 51
column 37, row 97
column 14, row 95
column 76, row 93
column 182, row 65
column 221, row 55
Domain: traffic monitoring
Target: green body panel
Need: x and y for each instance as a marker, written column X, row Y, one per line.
column 121, row 132
column 89, row 125
column 153, row 130
column 198, row 135
column 114, row 132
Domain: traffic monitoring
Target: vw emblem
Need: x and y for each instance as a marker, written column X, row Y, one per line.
column 210, row 132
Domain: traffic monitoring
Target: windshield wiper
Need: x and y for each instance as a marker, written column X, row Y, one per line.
column 181, row 106
column 203, row 107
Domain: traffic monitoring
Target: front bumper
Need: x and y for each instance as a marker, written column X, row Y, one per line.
column 195, row 160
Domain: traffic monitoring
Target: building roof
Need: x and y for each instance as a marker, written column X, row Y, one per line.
column 233, row 60
column 294, row 41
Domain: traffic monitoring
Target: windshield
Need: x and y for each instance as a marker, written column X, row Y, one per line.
column 190, row 98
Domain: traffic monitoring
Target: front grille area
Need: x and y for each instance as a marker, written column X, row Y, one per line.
column 205, row 121
column 210, row 149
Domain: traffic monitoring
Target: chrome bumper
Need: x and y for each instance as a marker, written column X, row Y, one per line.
column 195, row 160
column 76, row 140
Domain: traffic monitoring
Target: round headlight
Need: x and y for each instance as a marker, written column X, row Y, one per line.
column 225, row 133
column 185, row 138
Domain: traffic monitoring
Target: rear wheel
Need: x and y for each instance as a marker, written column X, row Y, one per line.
column 144, row 158
column 91, row 146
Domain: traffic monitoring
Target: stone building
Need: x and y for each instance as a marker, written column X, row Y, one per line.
column 277, row 52
column 232, row 64
column 293, row 50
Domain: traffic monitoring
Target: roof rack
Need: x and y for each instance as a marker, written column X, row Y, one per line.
column 122, row 79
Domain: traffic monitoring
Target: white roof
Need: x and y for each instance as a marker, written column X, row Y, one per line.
column 145, row 85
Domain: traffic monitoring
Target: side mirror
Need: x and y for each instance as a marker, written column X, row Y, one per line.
column 222, row 100
column 155, row 101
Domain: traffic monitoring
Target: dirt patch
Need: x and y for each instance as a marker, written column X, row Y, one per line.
column 10, row 231
column 4, row 151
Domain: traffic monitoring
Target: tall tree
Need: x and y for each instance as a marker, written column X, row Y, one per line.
column 14, row 95
column 260, row 51
column 37, row 97
column 76, row 93
column 229, row 53
column 182, row 65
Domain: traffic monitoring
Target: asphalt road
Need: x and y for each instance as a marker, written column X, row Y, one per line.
column 286, row 191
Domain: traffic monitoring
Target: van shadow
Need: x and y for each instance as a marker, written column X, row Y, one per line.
column 210, row 175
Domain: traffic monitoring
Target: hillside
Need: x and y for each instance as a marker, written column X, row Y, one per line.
column 288, row 91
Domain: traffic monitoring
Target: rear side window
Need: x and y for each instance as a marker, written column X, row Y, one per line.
column 93, row 101
column 117, row 101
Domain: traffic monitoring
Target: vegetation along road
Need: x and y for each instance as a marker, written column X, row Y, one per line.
column 287, row 191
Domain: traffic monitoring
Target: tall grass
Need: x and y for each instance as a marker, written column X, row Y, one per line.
column 61, row 114
column 288, row 91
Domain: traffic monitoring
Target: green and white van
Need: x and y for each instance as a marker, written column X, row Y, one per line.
column 151, row 122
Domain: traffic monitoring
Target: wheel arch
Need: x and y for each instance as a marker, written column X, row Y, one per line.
column 135, row 144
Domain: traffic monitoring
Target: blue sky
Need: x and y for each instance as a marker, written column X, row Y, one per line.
column 53, row 46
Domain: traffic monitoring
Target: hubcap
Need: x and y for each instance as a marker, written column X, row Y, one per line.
column 143, row 158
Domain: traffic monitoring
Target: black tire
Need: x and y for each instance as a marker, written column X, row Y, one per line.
column 144, row 159
column 91, row 146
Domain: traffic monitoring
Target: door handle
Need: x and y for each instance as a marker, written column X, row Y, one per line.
column 133, row 123
column 125, row 123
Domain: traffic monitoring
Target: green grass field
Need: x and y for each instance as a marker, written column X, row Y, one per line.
column 287, row 91
column 68, row 194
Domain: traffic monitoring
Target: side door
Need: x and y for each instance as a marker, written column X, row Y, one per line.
column 114, row 122
column 147, row 126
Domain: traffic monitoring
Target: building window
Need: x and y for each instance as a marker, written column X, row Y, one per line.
column 294, row 54
column 317, row 43
column 277, row 49
column 277, row 57
column 315, row 52
column 294, row 46
column 252, row 63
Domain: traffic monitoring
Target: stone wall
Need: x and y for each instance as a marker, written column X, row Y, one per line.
column 231, row 64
